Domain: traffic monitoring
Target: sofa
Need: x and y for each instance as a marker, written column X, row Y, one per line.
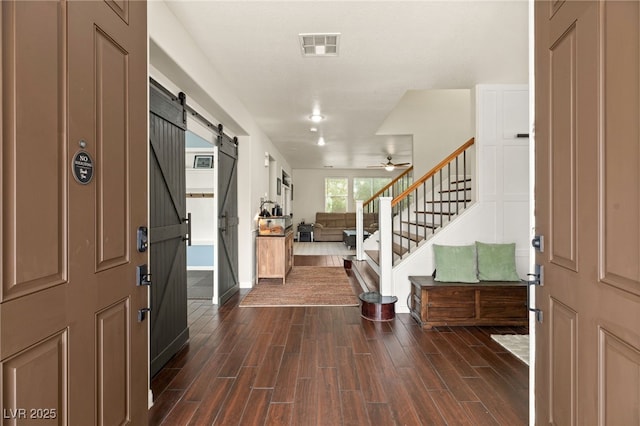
column 329, row 226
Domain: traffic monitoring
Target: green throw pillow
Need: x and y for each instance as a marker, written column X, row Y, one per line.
column 497, row 262
column 456, row 264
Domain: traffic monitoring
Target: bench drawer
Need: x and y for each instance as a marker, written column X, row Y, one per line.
column 503, row 302
column 443, row 297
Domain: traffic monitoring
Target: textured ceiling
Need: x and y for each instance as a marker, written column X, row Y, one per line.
column 386, row 48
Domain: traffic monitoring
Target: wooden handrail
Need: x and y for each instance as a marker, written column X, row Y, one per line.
column 387, row 186
column 433, row 171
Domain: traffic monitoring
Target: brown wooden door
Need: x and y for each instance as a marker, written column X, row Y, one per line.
column 168, row 252
column 588, row 210
column 73, row 87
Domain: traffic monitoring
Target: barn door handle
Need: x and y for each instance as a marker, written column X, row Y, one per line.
column 223, row 222
column 187, row 238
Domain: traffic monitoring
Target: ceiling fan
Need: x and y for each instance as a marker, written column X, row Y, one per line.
column 389, row 165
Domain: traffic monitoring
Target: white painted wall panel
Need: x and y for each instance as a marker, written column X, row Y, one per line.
column 515, row 169
column 515, row 113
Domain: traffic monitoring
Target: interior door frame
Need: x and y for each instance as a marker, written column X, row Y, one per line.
column 219, row 136
column 203, row 124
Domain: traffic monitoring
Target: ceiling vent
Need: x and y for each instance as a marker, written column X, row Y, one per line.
column 319, row 44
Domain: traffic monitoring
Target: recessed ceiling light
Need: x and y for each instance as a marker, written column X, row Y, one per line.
column 321, row 141
column 313, row 129
column 316, row 118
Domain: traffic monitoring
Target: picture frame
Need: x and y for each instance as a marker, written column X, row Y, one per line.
column 278, row 186
column 203, row 162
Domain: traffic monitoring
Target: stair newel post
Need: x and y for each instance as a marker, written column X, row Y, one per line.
column 359, row 230
column 385, row 221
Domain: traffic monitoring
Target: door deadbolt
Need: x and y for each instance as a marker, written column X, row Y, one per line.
column 538, row 243
column 143, row 277
column 143, row 239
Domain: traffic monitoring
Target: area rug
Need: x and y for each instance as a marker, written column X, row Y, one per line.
column 305, row 286
column 517, row 344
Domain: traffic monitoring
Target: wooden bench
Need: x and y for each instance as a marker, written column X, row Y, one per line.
column 433, row 303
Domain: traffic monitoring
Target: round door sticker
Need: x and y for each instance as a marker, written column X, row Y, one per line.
column 82, row 167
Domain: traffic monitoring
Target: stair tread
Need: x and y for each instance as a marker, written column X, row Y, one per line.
column 424, row 224
column 369, row 276
column 375, row 254
column 399, row 250
column 460, row 181
column 443, row 191
column 409, row 235
column 422, row 212
column 447, row 201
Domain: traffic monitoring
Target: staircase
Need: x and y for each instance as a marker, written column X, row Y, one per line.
column 413, row 216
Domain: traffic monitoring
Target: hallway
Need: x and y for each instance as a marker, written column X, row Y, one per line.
column 328, row 366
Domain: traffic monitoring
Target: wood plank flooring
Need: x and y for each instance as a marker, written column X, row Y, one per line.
column 328, row 366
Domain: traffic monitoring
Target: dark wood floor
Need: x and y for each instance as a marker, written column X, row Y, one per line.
column 328, row 366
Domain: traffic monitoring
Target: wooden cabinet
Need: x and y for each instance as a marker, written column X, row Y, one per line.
column 433, row 303
column 274, row 256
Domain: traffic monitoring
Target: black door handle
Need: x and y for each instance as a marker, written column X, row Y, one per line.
column 223, row 222
column 187, row 237
column 142, row 314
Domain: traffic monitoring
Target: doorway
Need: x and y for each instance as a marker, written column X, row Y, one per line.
column 201, row 178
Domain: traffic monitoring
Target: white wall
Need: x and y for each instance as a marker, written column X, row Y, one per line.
column 308, row 194
column 439, row 120
column 179, row 65
column 202, row 209
column 501, row 212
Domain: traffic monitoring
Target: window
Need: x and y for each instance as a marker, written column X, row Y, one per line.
column 365, row 187
column 336, row 192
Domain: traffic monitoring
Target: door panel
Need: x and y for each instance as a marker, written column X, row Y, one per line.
column 563, row 149
column 113, row 363
column 78, row 84
column 34, row 252
column 169, row 330
column 621, row 49
column 588, row 208
column 112, row 143
column 563, row 359
column 620, row 363
column 47, row 361
column 228, row 283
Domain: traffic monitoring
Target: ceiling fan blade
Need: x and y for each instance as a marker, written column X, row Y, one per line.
column 402, row 164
